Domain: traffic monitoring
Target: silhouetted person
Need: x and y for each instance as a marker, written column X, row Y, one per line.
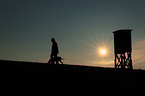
column 54, row 50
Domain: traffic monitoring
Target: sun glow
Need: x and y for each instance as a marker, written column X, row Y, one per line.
column 103, row 51
column 100, row 52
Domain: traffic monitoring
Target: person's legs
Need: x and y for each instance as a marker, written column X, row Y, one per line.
column 55, row 56
column 52, row 59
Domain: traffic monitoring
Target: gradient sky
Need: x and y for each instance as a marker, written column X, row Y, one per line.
column 80, row 27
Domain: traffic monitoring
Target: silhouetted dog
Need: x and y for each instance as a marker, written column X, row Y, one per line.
column 55, row 59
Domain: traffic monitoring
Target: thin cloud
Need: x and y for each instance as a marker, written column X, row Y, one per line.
column 139, row 52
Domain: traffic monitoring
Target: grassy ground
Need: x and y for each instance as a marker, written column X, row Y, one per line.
column 27, row 78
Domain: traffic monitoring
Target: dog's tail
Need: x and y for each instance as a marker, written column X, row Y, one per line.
column 62, row 58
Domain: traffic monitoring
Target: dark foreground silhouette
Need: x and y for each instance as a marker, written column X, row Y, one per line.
column 27, row 78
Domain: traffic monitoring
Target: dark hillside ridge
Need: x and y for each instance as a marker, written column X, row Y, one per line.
column 32, row 78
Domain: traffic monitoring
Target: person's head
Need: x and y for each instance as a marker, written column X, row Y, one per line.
column 52, row 40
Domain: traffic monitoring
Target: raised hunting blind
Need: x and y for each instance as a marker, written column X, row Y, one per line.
column 123, row 49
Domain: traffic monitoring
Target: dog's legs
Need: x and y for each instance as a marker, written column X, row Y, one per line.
column 56, row 61
column 61, row 62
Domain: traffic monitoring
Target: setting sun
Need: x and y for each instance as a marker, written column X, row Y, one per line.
column 103, row 51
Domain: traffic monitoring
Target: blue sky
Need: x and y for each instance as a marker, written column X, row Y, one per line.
column 81, row 28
